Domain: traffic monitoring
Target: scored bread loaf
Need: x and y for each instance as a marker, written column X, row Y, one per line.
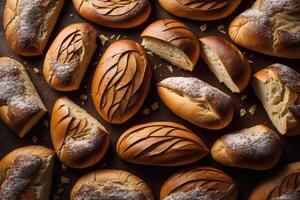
column 201, row 9
column 256, row 148
column 281, row 185
column 28, row 24
column 161, row 144
column 79, row 140
column 172, row 41
column 270, row 27
column 115, row 14
column 20, row 105
column 199, row 183
column 69, row 56
column 111, row 184
column 277, row 87
column 121, row 81
column 196, row 102
column 229, row 65
column 26, row 173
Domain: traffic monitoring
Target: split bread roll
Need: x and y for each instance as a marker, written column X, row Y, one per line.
column 115, row 14
column 277, row 87
column 281, row 185
column 199, row 183
column 225, row 60
column 257, row 148
column 79, row 140
column 28, row 24
column 69, row 56
column 201, row 9
column 172, row 41
column 20, row 105
column 111, row 184
column 196, row 101
column 121, row 81
column 270, row 27
column 161, row 144
column 26, row 173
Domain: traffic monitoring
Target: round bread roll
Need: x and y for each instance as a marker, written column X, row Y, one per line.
column 161, row 144
column 79, row 140
column 121, row 81
column 281, row 185
column 111, row 184
column 69, row 56
column 225, row 60
column 26, row 173
column 257, row 148
column 199, row 183
column 115, row 14
column 172, row 41
column 196, row 102
column 202, row 10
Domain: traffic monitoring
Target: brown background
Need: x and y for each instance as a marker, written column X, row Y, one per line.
column 154, row 176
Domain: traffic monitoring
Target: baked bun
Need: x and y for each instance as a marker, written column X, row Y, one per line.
column 196, row 102
column 28, row 24
column 26, row 173
column 229, row 65
column 69, row 56
column 114, row 14
column 277, row 87
column 270, row 27
column 199, row 183
column 111, row 184
column 121, row 81
column 20, row 105
column 257, row 148
column 79, row 140
column 172, row 41
column 281, row 185
column 203, row 10
column 161, row 144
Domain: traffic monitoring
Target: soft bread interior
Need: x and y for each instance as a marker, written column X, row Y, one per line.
column 168, row 52
column 216, row 66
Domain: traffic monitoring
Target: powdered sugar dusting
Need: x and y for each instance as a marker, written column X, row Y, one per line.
column 197, row 194
column 292, row 195
column 64, row 71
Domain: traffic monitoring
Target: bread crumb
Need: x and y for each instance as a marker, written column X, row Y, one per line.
column 82, row 103
column 64, row 180
column 146, row 111
column 103, row 39
column 243, row 112
column 63, row 167
column 203, row 27
column 112, row 37
column 71, row 15
column 252, row 109
column 83, row 97
column 250, row 61
column 244, row 97
column 150, row 53
column 222, row 31
column 46, row 123
column 221, row 28
column 36, row 70
column 154, row 106
column 35, row 139
column 170, row 68
column 118, row 37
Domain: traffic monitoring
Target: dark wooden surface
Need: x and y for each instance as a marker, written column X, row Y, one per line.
column 154, row 176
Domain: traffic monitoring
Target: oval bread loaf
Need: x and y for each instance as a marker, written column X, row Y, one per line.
column 69, row 56
column 26, row 173
column 196, row 102
column 28, row 24
column 199, row 183
column 256, row 148
column 121, row 81
column 111, row 184
column 161, row 144
column 79, row 140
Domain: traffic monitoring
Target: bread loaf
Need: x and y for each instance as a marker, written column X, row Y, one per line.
column 277, row 87
column 196, row 102
column 121, row 81
column 79, row 140
column 161, row 144
column 28, row 24
column 201, row 9
column 69, row 56
column 111, row 184
column 26, row 173
column 257, row 148
column 20, row 105
column 115, row 14
column 270, row 27
column 229, row 65
column 199, row 183
column 172, row 41
column 281, row 185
